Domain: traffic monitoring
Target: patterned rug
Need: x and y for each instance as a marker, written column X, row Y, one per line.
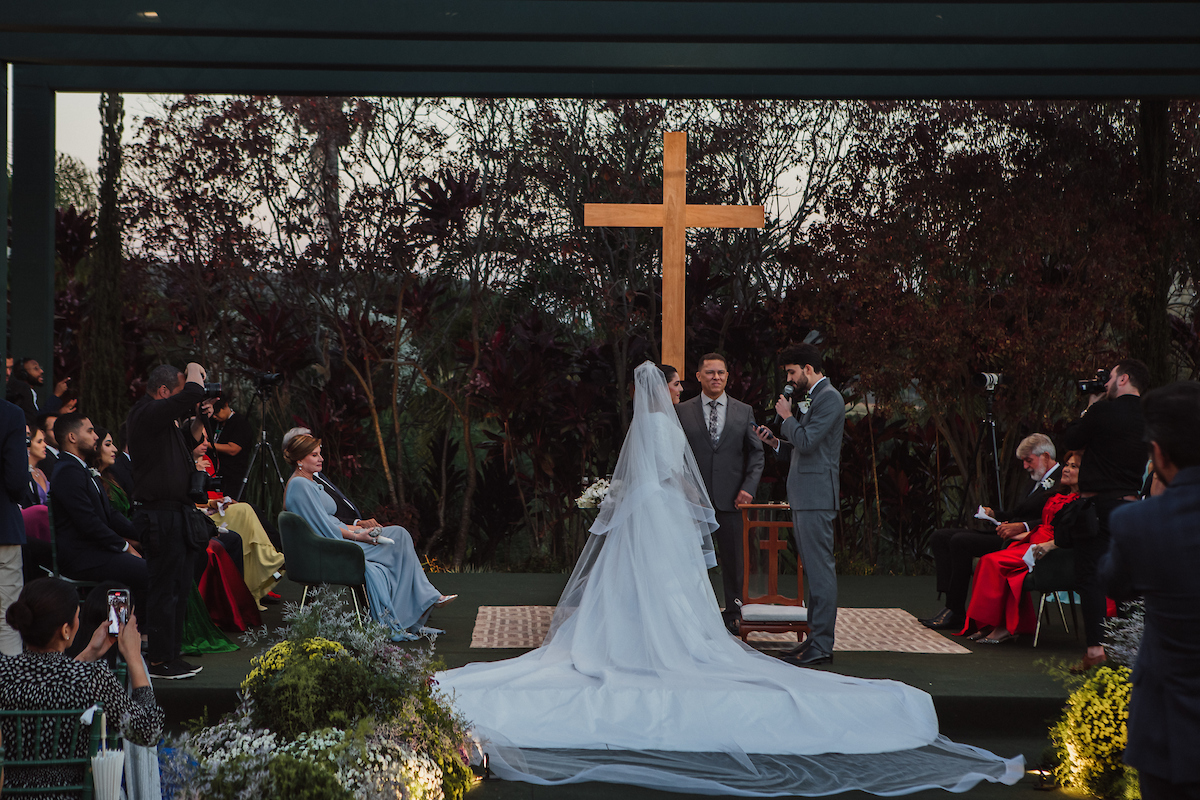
column 858, row 629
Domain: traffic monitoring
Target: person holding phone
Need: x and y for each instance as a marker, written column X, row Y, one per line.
column 43, row 676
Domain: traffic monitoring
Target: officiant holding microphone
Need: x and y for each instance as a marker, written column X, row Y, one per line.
column 813, row 442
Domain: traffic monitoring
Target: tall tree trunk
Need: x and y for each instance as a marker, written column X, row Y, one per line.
column 102, row 379
column 464, row 522
column 1153, row 344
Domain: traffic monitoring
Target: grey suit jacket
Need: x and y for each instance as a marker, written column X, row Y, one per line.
column 1155, row 553
column 736, row 464
column 813, row 441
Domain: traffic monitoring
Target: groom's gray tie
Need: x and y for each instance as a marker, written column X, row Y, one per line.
column 712, row 422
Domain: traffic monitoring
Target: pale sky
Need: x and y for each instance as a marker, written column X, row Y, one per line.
column 77, row 122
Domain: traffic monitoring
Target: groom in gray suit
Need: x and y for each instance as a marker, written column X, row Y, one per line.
column 814, row 442
column 730, row 457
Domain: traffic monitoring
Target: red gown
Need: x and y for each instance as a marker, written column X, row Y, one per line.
column 997, row 598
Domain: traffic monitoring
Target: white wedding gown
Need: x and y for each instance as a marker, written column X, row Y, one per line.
column 639, row 682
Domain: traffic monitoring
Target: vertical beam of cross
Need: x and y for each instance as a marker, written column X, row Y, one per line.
column 674, row 216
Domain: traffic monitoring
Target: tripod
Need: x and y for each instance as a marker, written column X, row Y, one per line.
column 260, row 394
column 987, row 426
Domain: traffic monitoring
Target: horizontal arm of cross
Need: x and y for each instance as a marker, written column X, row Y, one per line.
column 642, row 215
column 628, row 215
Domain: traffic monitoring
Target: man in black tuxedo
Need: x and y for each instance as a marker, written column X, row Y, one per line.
column 23, row 384
column 1155, row 553
column 955, row 549
column 721, row 432
column 14, row 474
column 93, row 538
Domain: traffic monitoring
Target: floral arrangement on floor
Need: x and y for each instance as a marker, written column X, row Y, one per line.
column 593, row 495
column 1088, row 741
column 330, row 710
column 1090, row 737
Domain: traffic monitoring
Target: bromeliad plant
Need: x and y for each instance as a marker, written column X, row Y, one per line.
column 330, row 710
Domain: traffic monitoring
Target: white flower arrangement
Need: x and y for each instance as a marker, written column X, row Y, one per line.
column 593, row 495
column 372, row 767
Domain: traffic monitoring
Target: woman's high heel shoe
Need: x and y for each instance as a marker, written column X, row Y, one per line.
column 445, row 599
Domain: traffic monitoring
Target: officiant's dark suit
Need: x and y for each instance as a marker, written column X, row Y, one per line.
column 1155, row 553
column 90, row 534
column 730, row 458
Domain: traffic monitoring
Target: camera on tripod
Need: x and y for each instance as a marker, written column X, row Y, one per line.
column 267, row 380
column 1096, row 385
column 988, row 381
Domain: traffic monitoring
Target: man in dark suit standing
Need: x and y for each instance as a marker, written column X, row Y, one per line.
column 955, row 549
column 720, row 431
column 813, row 442
column 14, row 471
column 1155, row 552
column 93, row 538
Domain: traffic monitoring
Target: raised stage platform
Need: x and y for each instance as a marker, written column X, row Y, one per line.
column 996, row 696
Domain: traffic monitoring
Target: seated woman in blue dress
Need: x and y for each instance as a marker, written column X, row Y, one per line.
column 400, row 594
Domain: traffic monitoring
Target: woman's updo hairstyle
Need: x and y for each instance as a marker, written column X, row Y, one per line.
column 668, row 371
column 45, row 605
column 299, row 447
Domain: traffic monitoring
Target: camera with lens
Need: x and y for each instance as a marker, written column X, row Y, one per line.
column 988, row 381
column 268, row 380
column 212, row 390
column 1096, row 385
column 201, row 484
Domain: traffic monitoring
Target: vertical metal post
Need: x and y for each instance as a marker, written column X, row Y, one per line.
column 32, row 279
column 4, row 208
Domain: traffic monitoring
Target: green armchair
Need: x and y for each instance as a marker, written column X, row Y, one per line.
column 314, row 560
column 51, row 739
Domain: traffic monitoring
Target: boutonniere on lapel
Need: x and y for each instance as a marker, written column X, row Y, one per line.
column 95, row 472
column 1047, row 483
column 805, row 403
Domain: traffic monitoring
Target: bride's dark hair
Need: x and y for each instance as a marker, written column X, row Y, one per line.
column 667, row 370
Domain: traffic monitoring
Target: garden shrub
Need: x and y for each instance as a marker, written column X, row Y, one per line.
column 1090, row 738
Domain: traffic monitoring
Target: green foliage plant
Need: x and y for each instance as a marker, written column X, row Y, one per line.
column 1090, row 738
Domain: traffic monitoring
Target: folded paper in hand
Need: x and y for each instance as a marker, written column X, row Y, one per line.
column 385, row 540
column 1029, row 558
column 981, row 514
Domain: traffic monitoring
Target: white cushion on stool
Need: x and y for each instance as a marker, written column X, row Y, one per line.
column 761, row 612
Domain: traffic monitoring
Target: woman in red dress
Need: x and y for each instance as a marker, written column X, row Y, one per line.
column 999, row 608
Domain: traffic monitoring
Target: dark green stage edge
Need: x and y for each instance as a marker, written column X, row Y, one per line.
column 996, row 697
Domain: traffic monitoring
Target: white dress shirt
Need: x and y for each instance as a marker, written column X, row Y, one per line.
column 722, row 403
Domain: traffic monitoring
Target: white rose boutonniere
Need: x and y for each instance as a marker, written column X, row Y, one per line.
column 95, row 472
column 1047, row 483
column 805, row 404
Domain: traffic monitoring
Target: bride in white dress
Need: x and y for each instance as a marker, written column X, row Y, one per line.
column 639, row 682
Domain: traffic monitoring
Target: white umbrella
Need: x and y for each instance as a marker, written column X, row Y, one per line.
column 107, row 767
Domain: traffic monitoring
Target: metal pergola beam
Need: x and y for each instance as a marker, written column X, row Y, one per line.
column 614, row 20
column 31, row 276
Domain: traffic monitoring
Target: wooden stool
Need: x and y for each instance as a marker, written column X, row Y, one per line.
column 771, row 612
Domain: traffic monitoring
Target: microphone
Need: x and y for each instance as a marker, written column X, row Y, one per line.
column 788, row 391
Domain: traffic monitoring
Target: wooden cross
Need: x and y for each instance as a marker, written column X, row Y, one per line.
column 674, row 216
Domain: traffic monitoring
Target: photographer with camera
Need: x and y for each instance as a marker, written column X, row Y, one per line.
column 1110, row 431
column 163, row 470
column 231, row 439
